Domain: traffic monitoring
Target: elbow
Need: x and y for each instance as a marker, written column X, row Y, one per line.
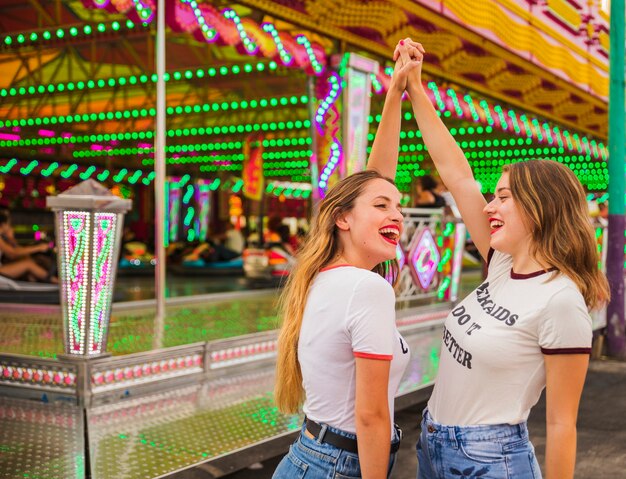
column 371, row 417
column 10, row 253
column 561, row 428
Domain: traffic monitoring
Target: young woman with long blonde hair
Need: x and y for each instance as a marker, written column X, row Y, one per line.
column 339, row 352
column 525, row 328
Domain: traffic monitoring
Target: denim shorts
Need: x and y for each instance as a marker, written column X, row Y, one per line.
column 310, row 459
column 500, row 451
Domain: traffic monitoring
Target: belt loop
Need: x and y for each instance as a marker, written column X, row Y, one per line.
column 320, row 436
column 522, row 430
column 452, row 436
column 398, row 432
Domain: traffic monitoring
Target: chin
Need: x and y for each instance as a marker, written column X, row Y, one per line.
column 500, row 248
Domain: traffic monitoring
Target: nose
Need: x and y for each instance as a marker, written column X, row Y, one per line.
column 489, row 208
column 397, row 217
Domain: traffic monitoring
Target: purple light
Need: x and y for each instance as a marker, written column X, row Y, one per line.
column 97, row 147
column 48, row 133
column 144, row 145
column 9, row 137
column 65, row 134
column 424, row 258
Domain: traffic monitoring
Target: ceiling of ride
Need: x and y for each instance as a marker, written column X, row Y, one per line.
column 78, row 90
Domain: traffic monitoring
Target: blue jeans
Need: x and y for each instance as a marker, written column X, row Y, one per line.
column 310, row 459
column 500, row 451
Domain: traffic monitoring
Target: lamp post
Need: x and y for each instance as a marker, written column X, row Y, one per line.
column 88, row 223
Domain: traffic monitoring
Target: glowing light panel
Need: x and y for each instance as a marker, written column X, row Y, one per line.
column 424, row 259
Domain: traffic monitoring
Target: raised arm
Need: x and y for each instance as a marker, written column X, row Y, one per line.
column 384, row 155
column 450, row 161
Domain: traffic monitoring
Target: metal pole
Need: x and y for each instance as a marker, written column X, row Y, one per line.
column 616, row 337
column 159, row 180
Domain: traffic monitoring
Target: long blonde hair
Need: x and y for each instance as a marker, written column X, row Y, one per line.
column 554, row 203
column 320, row 248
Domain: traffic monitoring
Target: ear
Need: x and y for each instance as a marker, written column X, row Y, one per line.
column 342, row 223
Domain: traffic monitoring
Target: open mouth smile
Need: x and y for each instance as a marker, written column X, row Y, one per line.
column 391, row 234
column 495, row 224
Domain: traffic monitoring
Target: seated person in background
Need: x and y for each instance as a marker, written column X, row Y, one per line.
column 212, row 250
column 202, row 251
column 286, row 241
column 271, row 234
column 427, row 197
column 233, row 239
column 22, row 268
column 228, row 242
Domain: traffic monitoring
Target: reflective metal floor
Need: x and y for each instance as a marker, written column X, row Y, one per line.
column 154, row 435
column 38, row 330
column 43, row 441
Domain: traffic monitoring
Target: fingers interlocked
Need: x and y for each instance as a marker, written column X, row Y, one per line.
column 408, row 50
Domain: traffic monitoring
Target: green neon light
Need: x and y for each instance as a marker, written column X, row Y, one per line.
column 265, row 103
column 132, row 80
column 42, row 37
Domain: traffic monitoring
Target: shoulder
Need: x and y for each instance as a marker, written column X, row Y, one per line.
column 361, row 283
column 566, row 325
column 498, row 262
column 564, row 295
column 374, row 279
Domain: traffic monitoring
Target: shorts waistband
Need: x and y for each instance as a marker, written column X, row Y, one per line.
column 347, row 441
column 487, row 432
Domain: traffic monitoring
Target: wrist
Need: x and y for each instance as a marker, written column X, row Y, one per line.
column 394, row 92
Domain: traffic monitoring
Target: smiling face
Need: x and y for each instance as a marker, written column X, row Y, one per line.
column 510, row 234
column 370, row 231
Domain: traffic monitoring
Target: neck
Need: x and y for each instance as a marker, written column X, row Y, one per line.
column 524, row 263
column 352, row 260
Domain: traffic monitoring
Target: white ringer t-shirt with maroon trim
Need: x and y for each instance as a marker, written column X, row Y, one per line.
column 350, row 312
column 491, row 369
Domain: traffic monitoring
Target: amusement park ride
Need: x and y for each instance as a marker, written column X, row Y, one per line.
column 268, row 102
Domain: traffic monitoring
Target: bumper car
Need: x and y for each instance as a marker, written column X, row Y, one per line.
column 27, row 292
column 135, row 260
column 268, row 263
column 200, row 267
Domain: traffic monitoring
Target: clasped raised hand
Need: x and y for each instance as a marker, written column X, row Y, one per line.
column 407, row 72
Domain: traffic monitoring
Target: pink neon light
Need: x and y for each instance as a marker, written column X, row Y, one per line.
column 65, row 134
column 9, row 137
column 97, row 147
column 48, row 133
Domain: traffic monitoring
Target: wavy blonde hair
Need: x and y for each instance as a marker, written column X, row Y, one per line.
column 319, row 250
column 553, row 202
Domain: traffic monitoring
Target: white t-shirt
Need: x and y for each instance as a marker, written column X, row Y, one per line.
column 350, row 312
column 234, row 241
column 491, row 369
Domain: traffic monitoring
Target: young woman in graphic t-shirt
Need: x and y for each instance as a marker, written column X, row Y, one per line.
column 525, row 328
column 339, row 351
